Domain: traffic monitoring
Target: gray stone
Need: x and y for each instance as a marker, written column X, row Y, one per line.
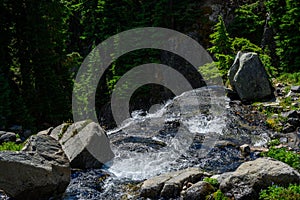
column 170, row 184
column 245, row 149
column 85, row 144
column 288, row 128
column 2, row 133
column 294, row 139
column 8, row 137
column 294, row 121
column 45, row 132
column 295, row 89
column 41, row 171
column 198, row 191
column 173, row 186
column 247, row 181
column 248, row 77
column 290, row 114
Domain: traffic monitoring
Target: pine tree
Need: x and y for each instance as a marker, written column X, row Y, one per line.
column 221, row 48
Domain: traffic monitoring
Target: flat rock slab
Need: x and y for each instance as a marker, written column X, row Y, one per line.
column 170, row 184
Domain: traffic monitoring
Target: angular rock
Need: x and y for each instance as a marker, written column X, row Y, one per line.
column 295, row 89
column 85, row 144
column 245, row 150
column 8, row 137
column 294, row 121
column 2, row 133
column 45, row 132
column 249, row 78
column 247, row 181
column 198, row 191
column 288, row 128
column 170, row 184
column 290, row 114
column 41, row 171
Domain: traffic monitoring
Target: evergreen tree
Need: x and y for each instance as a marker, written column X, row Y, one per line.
column 221, row 48
column 285, row 19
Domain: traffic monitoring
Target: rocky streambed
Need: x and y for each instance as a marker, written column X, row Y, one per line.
column 166, row 154
column 200, row 129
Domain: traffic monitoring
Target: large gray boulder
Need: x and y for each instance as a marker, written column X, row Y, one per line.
column 85, row 144
column 248, row 77
column 40, row 171
column 246, row 182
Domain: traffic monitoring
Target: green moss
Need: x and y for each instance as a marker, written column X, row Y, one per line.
column 280, row 193
column 218, row 195
column 11, row 146
column 274, row 123
column 214, row 182
column 64, row 129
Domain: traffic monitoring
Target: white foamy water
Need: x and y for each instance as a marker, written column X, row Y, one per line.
column 137, row 165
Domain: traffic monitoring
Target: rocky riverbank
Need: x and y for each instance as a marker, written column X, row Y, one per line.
column 199, row 145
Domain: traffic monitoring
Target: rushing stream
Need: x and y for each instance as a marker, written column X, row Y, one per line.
column 196, row 129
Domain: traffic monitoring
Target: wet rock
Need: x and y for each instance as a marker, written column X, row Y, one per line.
column 198, row 191
column 295, row 89
column 294, row 140
column 290, row 114
column 283, row 140
column 247, row 181
column 45, row 132
column 85, row 144
column 40, row 171
column 288, row 128
column 245, row 150
column 249, row 78
column 8, row 137
column 170, row 184
column 294, row 121
column 2, row 133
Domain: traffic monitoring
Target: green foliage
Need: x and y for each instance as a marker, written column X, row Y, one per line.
column 285, row 20
column 274, row 142
column 214, row 182
column 283, row 155
column 280, row 193
column 218, row 195
column 222, row 48
column 290, row 78
column 225, row 48
column 11, row 146
column 249, row 22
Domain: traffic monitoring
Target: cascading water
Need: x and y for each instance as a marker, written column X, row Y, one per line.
column 159, row 146
column 185, row 132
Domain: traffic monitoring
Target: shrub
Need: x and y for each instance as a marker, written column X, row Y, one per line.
column 11, row 146
column 274, row 142
column 280, row 193
column 285, row 156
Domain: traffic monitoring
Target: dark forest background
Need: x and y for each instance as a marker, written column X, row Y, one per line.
column 42, row 44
